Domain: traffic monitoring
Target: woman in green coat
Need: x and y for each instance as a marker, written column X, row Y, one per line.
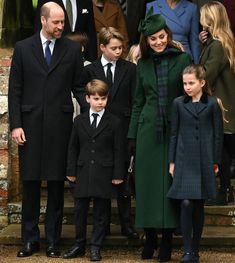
column 218, row 59
column 159, row 81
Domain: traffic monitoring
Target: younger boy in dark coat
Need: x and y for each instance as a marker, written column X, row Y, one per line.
column 95, row 162
column 120, row 75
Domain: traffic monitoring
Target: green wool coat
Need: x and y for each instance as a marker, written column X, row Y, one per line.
column 153, row 208
column 221, row 79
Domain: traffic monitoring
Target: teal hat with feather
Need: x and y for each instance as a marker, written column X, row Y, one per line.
column 152, row 23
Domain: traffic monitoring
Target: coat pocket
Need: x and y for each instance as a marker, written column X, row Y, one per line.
column 80, row 163
column 141, row 119
column 107, row 164
column 67, row 108
column 26, row 108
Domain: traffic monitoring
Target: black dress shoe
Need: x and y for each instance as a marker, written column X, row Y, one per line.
column 52, row 251
column 130, row 232
column 28, row 249
column 167, row 259
column 95, row 255
column 74, row 251
column 147, row 252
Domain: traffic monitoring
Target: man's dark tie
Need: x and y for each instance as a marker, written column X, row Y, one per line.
column 69, row 11
column 94, row 122
column 48, row 53
column 109, row 75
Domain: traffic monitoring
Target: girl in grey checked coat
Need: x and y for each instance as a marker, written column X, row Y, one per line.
column 194, row 155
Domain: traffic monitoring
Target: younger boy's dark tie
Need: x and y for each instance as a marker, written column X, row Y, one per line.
column 94, row 122
column 109, row 75
column 48, row 53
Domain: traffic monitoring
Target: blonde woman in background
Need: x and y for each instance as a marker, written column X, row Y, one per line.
column 218, row 59
column 134, row 54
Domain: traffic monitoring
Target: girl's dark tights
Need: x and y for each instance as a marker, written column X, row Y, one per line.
column 192, row 220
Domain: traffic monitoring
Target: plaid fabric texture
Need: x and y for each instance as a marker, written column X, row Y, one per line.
column 161, row 62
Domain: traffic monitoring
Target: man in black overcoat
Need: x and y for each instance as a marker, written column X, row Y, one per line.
column 45, row 69
column 83, row 23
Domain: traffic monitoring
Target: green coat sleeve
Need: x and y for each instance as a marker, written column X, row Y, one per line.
column 139, row 101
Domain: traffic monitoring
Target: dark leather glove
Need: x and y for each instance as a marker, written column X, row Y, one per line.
column 131, row 147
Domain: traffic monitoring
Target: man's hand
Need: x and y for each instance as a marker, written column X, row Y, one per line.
column 71, row 178
column 216, row 168
column 18, row 136
column 117, row 181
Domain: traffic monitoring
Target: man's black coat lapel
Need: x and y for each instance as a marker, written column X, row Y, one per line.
column 38, row 51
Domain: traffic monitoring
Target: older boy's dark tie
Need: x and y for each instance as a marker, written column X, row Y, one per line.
column 48, row 53
column 94, row 122
column 109, row 75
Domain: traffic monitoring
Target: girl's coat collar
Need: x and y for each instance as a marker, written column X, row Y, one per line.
column 203, row 99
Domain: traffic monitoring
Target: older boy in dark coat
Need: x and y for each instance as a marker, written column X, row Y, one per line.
column 120, row 101
column 95, row 162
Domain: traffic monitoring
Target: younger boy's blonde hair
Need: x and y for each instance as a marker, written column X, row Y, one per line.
column 107, row 33
column 97, row 86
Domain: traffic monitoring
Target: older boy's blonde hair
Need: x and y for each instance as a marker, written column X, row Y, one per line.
column 214, row 19
column 97, row 86
column 107, row 33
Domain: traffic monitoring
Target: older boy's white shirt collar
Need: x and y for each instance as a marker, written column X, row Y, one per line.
column 105, row 62
column 44, row 40
column 100, row 115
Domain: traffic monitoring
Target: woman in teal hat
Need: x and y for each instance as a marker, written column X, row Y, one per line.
column 159, row 81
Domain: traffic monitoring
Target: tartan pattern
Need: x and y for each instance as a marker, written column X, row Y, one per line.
column 161, row 69
column 161, row 62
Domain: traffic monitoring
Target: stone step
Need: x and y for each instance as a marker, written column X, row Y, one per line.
column 14, row 212
column 212, row 236
column 214, row 215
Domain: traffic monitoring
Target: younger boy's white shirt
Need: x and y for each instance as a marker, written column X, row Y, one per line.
column 100, row 114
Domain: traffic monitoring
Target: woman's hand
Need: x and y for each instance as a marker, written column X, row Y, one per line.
column 216, row 168
column 203, row 36
column 171, row 169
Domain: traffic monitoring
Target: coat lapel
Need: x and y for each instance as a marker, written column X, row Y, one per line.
column 38, row 51
column 104, row 16
column 189, row 106
column 175, row 14
column 86, row 123
column 99, row 70
column 118, row 76
column 103, row 123
column 208, row 42
column 59, row 51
